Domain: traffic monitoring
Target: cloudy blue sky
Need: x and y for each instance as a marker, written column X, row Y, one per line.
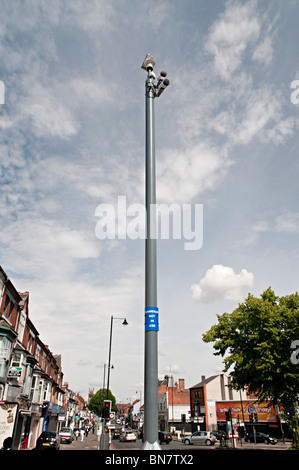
column 72, row 138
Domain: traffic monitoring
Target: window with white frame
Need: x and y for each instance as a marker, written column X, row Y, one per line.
column 5, row 352
column 19, row 360
column 28, row 381
column 21, row 326
column 47, row 391
column 36, row 389
column 37, row 352
column 39, row 391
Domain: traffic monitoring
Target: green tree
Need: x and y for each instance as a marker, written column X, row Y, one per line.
column 97, row 400
column 256, row 342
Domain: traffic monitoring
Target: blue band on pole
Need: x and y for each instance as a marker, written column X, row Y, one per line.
column 151, row 319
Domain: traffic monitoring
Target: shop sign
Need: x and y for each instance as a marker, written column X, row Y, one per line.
column 14, row 372
column 264, row 410
column 7, row 420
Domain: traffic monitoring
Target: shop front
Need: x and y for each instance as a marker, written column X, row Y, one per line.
column 248, row 414
column 36, row 425
column 8, row 414
column 50, row 418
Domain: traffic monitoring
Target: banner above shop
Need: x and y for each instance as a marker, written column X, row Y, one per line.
column 265, row 411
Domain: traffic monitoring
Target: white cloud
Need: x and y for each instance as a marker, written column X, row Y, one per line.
column 45, row 247
column 48, row 115
column 184, row 174
column 222, row 283
column 264, row 51
column 288, row 222
column 230, row 36
column 92, row 16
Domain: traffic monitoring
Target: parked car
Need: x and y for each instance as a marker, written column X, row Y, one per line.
column 66, row 435
column 128, row 435
column 116, row 433
column 48, row 440
column 164, row 437
column 200, row 437
column 219, row 435
column 260, row 437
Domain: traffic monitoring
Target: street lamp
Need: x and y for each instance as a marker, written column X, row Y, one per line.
column 153, row 88
column 125, row 323
column 103, row 440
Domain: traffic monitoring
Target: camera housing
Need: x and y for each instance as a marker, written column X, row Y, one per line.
column 148, row 63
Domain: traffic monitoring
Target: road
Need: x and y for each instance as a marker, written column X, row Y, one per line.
column 178, row 445
column 91, row 443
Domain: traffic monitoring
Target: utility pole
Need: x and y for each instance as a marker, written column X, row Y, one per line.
column 153, row 89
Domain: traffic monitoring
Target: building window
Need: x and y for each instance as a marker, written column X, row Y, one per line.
column 7, row 299
column 8, row 306
column 5, row 352
column 39, row 391
column 32, row 391
column 28, row 382
column 44, row 361
column 30, row 341
column 18, row 360
column 21, row 326
column 37, row 352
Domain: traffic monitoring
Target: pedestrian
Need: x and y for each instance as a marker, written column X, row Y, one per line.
column 77, row 434
column 82, row 434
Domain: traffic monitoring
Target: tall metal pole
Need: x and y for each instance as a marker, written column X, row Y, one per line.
column 150, row 427
column 109, row 360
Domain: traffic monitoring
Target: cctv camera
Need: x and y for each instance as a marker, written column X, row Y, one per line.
column 161, row 76
column 148, row 63
column 162, row 86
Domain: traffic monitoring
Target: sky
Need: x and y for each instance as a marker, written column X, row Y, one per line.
column 72, row 127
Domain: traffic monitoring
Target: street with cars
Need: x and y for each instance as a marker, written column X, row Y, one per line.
column 121, row 437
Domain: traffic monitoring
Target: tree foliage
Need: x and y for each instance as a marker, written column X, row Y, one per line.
column 97, row 400
column 256, row 341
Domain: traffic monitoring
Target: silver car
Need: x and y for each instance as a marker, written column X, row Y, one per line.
column 200, row 437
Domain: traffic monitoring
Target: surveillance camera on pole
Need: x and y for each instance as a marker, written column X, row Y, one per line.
column 148, row 63
column 153, row 89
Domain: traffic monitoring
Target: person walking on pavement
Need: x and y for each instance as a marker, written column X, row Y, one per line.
column 82, row 434
column 77, row 434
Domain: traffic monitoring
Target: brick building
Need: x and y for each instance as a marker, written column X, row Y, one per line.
column 173, row 404
column 31, row 377
column 203, row 398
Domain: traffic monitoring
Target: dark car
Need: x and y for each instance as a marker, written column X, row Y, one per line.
column 48, row 440
column 164, row 437
column 219, row 435
column 116, row 433
column 260, row 437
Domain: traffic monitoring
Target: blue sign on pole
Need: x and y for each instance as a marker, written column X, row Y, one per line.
column 151, row 319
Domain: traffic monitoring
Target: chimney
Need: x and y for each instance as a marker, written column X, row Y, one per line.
column 203, row 377
column 181, row 384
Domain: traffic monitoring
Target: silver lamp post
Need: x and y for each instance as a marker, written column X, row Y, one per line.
column 153, row 88
column 103, row 440
column 125, row 323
